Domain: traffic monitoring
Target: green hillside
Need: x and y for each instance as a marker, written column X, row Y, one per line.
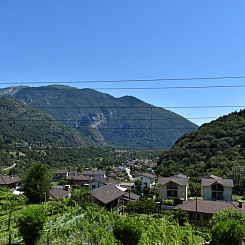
column 104, row 119
column 22, row 125
column 217, row 147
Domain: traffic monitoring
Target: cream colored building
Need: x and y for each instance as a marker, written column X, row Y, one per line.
column 173, row 188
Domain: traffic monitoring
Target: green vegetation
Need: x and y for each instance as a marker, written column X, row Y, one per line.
column 141, row 206
column 228, row 214
column 22, row 125
column 228, row 227
column 215, row 148
column 228, row 233
column 128, row 231
column 31, row 223
column 68, row 158
column 67, row 222
column 37, row 183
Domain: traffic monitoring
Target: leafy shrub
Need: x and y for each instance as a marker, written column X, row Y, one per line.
column 31, row 224
column 128, row 231
column 228, row 233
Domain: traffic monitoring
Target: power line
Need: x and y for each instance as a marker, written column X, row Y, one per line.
column 111, row 120
column 174, row 87
column 137, row 107
column 130, row 80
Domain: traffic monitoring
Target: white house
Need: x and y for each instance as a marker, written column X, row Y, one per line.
column 216, row 188
column 175, row 187
column 147, row 180
column 98, row 183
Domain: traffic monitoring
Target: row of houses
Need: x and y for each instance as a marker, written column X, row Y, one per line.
column 173, row 187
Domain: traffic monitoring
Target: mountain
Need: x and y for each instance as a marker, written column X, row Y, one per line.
column 104, row 119
column 23, row 125
column 216, row 148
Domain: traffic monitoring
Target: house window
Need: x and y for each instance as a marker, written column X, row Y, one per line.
column 172, row 186
column 172, row 193
column 217, row 187
column 93, row 186
column 141, row 178
column 145, row 184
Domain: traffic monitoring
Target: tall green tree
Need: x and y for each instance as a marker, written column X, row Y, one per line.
column 37, row 183
column 31, row 223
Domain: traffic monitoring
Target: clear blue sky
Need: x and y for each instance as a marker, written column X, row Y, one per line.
column 124, row 39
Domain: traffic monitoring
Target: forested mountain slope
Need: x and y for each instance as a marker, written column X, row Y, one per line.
column 22, row 125
column 217, row 147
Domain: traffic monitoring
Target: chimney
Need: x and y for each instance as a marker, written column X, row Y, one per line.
column 240, row 204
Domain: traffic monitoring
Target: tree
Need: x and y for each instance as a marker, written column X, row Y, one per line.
column 37, row 183
column 142, row 206
column 127, row 231
column 228, row 214
column 81, row 196
column 228, row 233
column 31, row 223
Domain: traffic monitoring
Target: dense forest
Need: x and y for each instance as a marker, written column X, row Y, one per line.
column 21, row 125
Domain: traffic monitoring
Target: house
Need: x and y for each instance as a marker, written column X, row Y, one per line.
column 78, row 180
column 216, row 188
column 62, row 174
column 146, row 180
column 9, row 181
column 201, row 211
column 95, row 174
column 60, row 192
column 174, row 187
column 108, row 196
column 97, row 183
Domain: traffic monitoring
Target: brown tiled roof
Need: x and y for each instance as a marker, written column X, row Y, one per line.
column 107, row 181
column 107, row 193
column 59, row 192
column 148, row 175
column 204, row 206
column 179, row 181
column 78, row 177
column 8, row 180
column 94, row 172
column 211, row 181
column 132, row 196
column 60, row 172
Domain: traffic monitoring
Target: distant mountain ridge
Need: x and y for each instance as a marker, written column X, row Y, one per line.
column 103, row 119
